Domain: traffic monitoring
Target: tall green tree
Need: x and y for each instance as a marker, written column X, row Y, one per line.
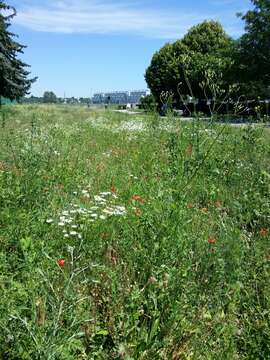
column 14, row 80
column 196, row 65
column 49, row 97
column 254, row 50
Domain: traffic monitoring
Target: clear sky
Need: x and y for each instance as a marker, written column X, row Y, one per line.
column 79, row 47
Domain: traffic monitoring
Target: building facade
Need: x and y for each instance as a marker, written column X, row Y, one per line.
column 119, row 97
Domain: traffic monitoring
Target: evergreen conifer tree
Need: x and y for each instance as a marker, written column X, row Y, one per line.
column 14, row 81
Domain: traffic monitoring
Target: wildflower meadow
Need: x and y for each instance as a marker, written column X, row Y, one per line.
column 132, row 236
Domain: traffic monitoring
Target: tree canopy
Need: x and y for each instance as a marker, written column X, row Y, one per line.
column 14, row 81
column 206, row 62
column 197, row 65
column 49, row 97
column 254, row 48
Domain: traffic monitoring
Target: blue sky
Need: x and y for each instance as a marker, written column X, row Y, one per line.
column 79, row 47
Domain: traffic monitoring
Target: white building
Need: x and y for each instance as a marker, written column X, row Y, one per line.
column 135, row 96
column 98, row 98
column 119, row 97
column 116, row 97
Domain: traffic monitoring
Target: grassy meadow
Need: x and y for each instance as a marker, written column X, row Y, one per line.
column 132, row 237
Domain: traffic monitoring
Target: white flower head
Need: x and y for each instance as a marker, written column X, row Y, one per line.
column 70, row 249
column 99, row 199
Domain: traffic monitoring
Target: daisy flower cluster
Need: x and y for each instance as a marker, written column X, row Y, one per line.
column 72, row 218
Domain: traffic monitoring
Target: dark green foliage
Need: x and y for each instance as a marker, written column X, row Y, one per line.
column 49, row 97
column 185, row 66
column 148, row 103
column 254, row 49
column 206, row 63
column 14, row 81
column 206, row 38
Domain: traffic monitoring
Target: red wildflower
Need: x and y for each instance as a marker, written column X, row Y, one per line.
column 212, row 241
column 138, row 198
column 190, row 206
column 61, row 262
column 263, row 232
column 113, row 189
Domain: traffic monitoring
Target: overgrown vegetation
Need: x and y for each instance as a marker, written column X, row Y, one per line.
column 125, row 242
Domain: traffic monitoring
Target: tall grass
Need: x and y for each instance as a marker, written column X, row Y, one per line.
column 132, row 244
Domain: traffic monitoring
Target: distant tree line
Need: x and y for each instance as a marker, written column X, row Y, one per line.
column 208, row 66
column 49, row 97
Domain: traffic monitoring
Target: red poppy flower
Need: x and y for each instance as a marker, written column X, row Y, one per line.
column 190, row 206
column 212, row 241
column 61, row 262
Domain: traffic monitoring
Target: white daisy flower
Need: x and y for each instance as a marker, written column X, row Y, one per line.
column 105, row 193
column 99, row 199
column 120, row 208
column 108, row 211
column 94, row 208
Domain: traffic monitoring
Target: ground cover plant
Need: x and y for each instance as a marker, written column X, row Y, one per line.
column 132, row 237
